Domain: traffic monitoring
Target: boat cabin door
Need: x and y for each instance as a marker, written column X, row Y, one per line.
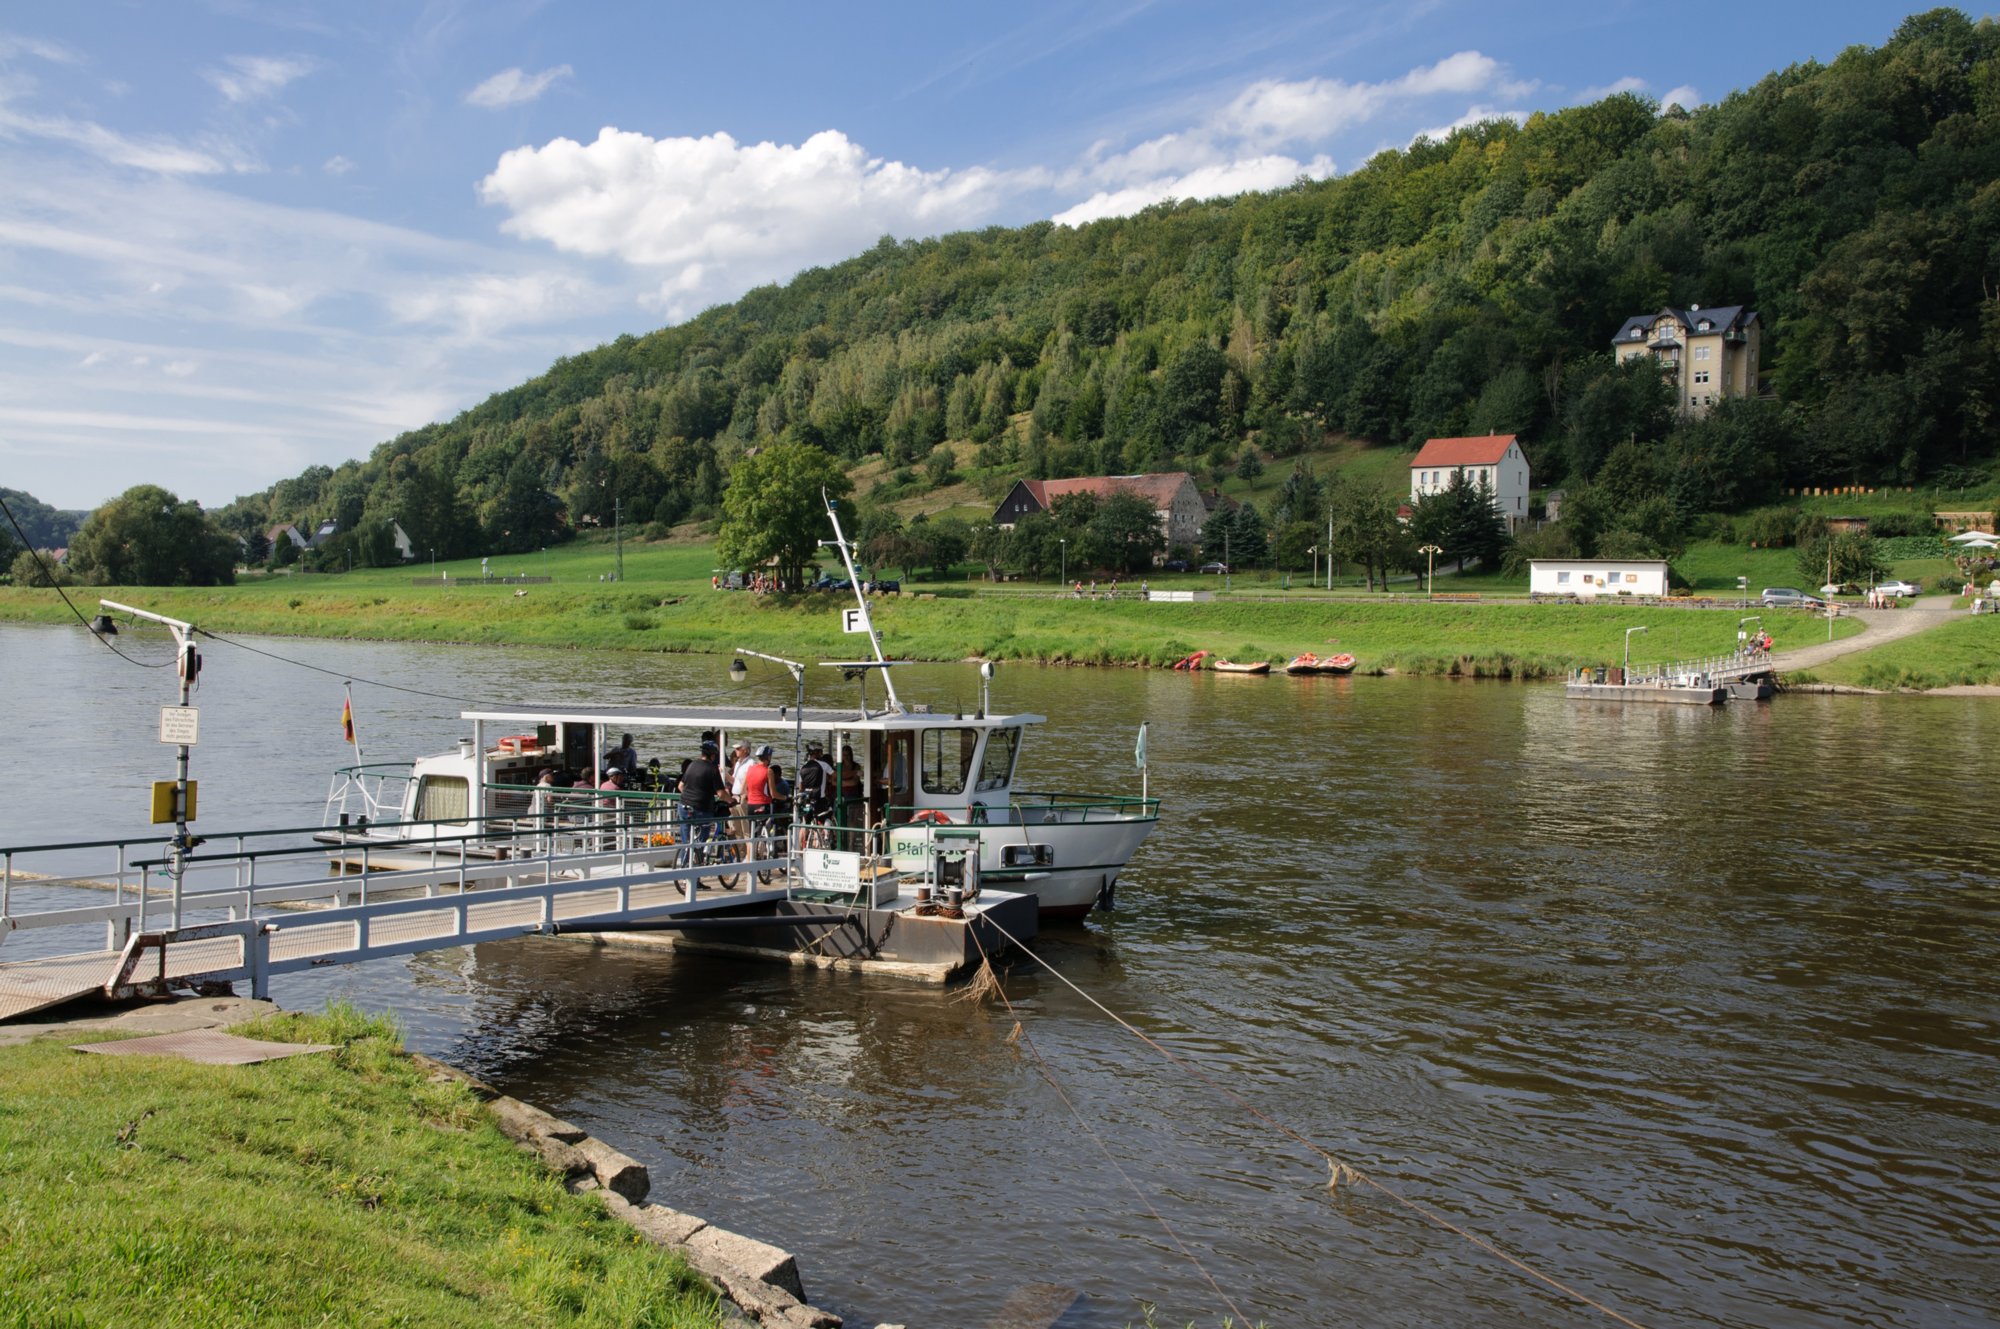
column 892, row 764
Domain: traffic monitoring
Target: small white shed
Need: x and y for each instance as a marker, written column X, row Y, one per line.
column 1587, row 578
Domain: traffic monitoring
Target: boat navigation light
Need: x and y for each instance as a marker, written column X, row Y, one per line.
column 738, row 671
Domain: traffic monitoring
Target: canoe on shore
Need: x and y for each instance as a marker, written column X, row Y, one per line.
column 1342, row 663
column 1232, row 667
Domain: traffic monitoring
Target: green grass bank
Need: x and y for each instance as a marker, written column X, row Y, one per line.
column 1964, row 651
column 665, row 603
column 342, row 1189
column 1500, row 639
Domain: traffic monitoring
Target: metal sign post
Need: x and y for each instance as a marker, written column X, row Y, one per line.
column 179, row 725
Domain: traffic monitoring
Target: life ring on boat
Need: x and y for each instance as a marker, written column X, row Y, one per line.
column 931, row 815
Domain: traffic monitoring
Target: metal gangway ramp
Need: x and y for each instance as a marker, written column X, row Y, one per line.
column 270, row 906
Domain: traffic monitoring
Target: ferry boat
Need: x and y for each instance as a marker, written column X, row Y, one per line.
column 906, row 775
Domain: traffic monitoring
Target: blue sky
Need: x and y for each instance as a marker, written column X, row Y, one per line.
column 241, row 237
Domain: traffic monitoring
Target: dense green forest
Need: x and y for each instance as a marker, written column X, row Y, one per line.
column 1460, row 286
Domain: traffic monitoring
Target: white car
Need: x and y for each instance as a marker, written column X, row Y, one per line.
column 1896, row 587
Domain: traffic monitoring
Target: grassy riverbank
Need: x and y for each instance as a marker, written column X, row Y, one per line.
column 1964, row 651
column 665, row 604
column 1498, row 639
column 343, row 1188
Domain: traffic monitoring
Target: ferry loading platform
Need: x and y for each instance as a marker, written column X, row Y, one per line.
column 271, row 905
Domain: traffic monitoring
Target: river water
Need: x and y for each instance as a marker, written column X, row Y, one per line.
column 1691, row 1010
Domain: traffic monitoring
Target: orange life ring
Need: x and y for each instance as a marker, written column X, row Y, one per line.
column 931, row 815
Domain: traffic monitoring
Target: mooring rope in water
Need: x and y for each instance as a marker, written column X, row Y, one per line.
column 1340, row 1171
column 989, row 982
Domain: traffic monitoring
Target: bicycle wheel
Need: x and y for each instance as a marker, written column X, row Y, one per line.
column 722, row 858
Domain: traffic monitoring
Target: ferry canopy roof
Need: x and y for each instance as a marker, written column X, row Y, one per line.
column 735, row 718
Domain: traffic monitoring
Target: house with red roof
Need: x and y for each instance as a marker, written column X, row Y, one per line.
column 1172, row 494
column 1493, row 460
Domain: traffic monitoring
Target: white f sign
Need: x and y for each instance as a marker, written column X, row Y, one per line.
column 851, row 621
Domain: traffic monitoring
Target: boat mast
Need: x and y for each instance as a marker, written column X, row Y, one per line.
column 839, row 541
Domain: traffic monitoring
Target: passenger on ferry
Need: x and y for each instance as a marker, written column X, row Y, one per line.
column 701, row 795
column 756, row 801
column 625, row 757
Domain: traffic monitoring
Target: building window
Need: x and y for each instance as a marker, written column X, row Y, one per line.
column 1701, row 352
column 1701, row 376
column 1562, row 579
column 1693, row 400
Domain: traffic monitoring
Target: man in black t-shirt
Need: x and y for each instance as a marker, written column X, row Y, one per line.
column 701, row 788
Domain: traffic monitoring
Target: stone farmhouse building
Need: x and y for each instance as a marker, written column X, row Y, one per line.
column 1706, row 354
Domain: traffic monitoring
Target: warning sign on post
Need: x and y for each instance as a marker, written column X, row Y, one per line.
column 179, row 724
column 851, row 621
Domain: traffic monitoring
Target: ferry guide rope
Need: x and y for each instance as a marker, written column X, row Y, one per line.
column 1341, row 1172
column 989, row 982
column 334, row 673
column 54, row 581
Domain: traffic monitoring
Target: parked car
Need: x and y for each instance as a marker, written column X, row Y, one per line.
column 1175, row 565
column 1897, row 587
column 1215, row 569
column 1790, row 597
column 829, row 582
column 884, row 586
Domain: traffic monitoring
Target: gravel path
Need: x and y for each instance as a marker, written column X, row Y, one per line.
column 1880, row 625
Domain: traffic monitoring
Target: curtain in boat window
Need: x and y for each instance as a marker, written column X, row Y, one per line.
column 442, row 798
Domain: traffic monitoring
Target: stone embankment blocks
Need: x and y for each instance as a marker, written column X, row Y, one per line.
column 760, row 1279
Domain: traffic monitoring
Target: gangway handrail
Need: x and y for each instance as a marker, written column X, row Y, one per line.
column 248, row 897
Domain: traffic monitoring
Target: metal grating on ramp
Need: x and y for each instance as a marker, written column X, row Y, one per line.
column 28, row 986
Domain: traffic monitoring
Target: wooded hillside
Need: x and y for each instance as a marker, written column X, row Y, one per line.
column 1461, row 286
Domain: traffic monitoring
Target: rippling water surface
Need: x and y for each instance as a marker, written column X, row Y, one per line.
column 1692, row 1010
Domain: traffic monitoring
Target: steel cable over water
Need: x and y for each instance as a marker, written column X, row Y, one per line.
column 1341, row 1171
column 988, row 981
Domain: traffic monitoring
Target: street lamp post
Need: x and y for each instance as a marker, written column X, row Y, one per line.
column 1062, row 576
column 1314, row 551
column 1626, row 672
column 545, row 562
column 1226, row 574
column 1430, row 553
column 434, row 564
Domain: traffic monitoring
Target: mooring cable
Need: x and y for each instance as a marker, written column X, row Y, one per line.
column 1021, row 1035
column 1341, row 1170
column 334, row 673
column 56, row 582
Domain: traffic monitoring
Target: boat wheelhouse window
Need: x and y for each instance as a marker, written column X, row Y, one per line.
column 998, row 768
column 442, row 798
column 947, row 759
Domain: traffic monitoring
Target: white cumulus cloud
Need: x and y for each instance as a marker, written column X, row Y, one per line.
column 511, row 87
column 252, row 77
column 732, row 214
column 337, row 165
column 1683, row 96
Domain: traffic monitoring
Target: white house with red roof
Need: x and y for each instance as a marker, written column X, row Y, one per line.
column 1173, row 496
column 1493, row 460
